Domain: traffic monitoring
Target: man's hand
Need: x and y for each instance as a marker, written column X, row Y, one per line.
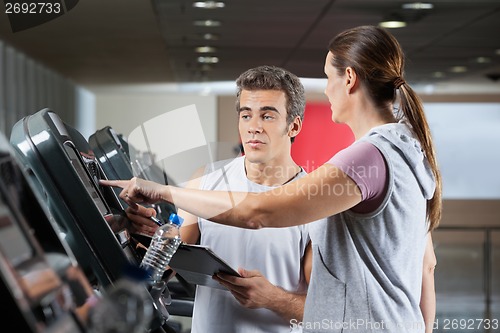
column 252, row 290
column 138, row 215
column 140, row 220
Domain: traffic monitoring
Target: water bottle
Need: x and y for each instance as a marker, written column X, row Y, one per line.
column 165, row 242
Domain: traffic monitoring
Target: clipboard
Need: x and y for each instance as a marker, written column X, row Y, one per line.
column 197, row 264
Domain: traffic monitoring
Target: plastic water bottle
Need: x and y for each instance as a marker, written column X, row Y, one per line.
column 165, row 242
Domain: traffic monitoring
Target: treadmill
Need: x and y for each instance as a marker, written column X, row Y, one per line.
column 91, row 218
column 38, row 289
column 113, row 153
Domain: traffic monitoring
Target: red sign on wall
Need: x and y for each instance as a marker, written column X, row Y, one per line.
column 320, row 137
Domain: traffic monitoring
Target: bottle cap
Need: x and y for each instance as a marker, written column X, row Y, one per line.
column 136, row 273
column 176, row 219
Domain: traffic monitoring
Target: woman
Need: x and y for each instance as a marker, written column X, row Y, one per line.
column 382, row 195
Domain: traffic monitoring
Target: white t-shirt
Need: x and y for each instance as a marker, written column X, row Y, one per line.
column 275, row 252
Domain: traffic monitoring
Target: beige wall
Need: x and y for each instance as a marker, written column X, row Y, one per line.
column 471, row 216
column 460, row 98
column 126, row 111
column 227, row 119
column 471, row 213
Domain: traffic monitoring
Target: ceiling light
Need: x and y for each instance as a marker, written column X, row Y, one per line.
column 209, row 36
column 458, row 69
column 438, row 75
column 206, row 67
column 392, row 24
column 418, row 5
column 207, row 23
column 205, row 49
column 393, row 20
column 208, row 60
column 483, row 60
column 209, row 4
column 497, row 52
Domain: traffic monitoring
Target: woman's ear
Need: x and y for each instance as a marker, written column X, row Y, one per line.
column 351, row 79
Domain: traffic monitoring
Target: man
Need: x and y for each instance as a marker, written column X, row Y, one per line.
column 276, row 262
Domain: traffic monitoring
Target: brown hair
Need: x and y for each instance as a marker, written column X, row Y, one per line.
column 275, row 78
column 377, row 58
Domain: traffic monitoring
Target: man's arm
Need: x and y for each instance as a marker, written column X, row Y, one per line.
column 190, row 230
column 291, row 305
column 253, row 291
column 428, row 296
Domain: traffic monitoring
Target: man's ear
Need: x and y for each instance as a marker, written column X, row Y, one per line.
column 295, row 127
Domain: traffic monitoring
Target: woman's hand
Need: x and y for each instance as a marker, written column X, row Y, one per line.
column 136, row 191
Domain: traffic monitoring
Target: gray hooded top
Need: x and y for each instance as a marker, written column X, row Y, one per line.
column 367, row 268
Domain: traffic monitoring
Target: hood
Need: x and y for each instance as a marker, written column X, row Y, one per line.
column 401, row 137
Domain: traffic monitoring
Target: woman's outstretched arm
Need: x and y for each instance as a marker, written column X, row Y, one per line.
column 324, row 192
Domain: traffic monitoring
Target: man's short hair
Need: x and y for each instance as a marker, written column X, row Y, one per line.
column 274, row 78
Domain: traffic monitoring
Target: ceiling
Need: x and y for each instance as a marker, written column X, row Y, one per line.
column 152, row 41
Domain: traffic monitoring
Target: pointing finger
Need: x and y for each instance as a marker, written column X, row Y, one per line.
column 114, row 183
